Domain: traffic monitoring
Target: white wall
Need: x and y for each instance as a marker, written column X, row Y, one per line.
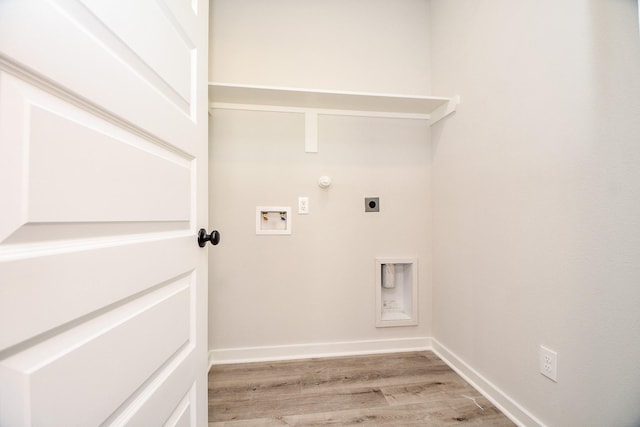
column 535, row 186
column 316, row 285
column 536, row 195
column 377, row 46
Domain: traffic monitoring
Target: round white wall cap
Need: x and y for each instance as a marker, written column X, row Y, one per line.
column 324, row 181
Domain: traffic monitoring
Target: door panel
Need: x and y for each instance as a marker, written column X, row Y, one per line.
column 160, row 408
column 106, row 174
column 47, row 289
column 111, row 355
column 161, row 26
column 103, row 151
column 65, row 42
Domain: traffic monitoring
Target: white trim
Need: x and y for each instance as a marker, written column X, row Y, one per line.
column 307, row 351
column 322, row 111
column 509, row 407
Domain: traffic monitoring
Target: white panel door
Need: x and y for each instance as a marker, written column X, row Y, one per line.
column 103, row 186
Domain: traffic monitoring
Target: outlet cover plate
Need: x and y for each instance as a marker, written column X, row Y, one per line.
column 549, row 363
column 303, row 205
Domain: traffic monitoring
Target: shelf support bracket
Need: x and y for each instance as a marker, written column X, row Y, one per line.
column 310, row 132
column 444, row 110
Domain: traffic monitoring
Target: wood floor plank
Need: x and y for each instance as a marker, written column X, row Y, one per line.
column 449, row 387
column 433, row 413
column 326, row 401
column 380, row 375
column 263, row 388
column 402, row 389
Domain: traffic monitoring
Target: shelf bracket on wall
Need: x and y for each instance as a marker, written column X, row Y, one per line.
column 444, row 110
column 310, row 132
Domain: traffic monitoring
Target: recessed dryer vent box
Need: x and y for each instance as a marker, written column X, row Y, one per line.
column 396, row 292
column 273, row 220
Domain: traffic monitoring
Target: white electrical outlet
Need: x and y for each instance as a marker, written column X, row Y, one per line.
column 549, row 363
column 303, row 205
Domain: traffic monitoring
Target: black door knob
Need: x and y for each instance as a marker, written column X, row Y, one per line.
column 203, row 237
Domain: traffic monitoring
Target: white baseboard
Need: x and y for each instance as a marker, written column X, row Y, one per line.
column 509, row 407
column 307, row 351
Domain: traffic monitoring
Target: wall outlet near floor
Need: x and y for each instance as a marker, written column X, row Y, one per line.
column 549, row 363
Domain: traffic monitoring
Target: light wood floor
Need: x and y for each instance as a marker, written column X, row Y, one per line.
column 401, row 389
